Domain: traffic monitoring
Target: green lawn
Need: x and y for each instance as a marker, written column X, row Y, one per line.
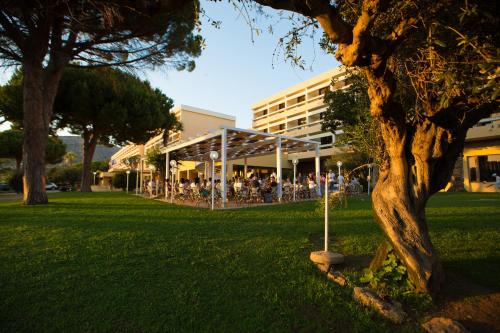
column 112, row 262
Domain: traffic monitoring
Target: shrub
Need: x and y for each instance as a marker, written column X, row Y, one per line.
column 16, row 182
column 120, row 180
column 71, row 175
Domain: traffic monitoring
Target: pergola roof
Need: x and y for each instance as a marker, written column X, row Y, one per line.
column 240, row 143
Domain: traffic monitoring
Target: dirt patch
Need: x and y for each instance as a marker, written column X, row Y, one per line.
column 474, row 306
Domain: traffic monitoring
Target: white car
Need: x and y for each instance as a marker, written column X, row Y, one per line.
column 50, row 187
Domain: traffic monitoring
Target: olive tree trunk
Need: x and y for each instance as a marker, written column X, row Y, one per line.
column 39, row 91
column 89, row 146
column 420, row 158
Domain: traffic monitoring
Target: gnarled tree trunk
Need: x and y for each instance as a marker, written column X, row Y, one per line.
column 403, row 222
column 39, row 91
column 89, row 146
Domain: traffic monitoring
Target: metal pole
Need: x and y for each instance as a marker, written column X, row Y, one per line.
column 326, row 213
column 294, row 179
column 173, row 186
column 224, row 167
column 141, row 179
column 167, row 172
column 128, row 174
column 278, row 168
column 151, row 182
column 213, row 184
column 318, row 171
column 136, row 181
column 369, row 178
column 245, row 168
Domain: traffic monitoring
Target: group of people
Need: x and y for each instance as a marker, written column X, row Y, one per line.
column 306, row 185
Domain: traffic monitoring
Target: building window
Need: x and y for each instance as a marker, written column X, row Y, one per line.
column 471, row 162
column 327, row 140
column 264, row 130
column 301, row 98
column 488, row 165
column 301, row 121
column 323, row 90
column 281, row 106
column 281, row 127
column 264, row 112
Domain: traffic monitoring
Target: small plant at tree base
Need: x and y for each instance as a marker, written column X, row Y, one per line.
column 391, row 278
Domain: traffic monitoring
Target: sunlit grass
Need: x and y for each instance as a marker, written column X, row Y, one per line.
column 112, row 262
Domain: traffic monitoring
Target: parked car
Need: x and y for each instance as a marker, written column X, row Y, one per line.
column 4, row 187
column 64, row 187
column 50, row 187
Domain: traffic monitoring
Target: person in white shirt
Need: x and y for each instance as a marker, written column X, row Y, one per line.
column 238, row 184
column 341, row 182
column 331, row 180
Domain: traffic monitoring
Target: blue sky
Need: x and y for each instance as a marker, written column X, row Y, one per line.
column 233, row 72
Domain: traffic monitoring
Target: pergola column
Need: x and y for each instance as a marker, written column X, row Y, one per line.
column 245, row 167
column 141, row 181
column 167, row 172
column 318, row 171
column 223, row 173
column 278, row 168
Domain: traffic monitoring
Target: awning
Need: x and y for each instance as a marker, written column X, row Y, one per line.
column 240, row 143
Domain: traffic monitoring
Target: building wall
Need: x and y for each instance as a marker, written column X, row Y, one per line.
column 195, row 122
column 480, row 161
column 481, row 155
column 298, row 110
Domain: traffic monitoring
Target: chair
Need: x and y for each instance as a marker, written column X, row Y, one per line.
column 255, row 195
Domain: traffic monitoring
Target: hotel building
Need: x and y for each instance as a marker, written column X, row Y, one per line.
column 481, row 155
column 298, row 111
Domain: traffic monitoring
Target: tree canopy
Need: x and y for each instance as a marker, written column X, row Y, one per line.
column 11, row 146
column 108, row 106
column 115, row 106
column 45, row 36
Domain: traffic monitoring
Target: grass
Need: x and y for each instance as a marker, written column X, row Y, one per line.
column 109, row 262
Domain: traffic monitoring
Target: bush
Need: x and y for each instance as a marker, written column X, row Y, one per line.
column 16, row 182
column 120, row 180
column 70, row 175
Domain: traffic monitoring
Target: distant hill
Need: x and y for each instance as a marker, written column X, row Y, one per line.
column 75, row 144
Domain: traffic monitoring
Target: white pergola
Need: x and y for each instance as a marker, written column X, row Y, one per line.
column 235, row 143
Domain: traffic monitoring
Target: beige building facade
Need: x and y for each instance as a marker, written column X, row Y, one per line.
column 195, row 121
column 298, row 111
column 481, row 156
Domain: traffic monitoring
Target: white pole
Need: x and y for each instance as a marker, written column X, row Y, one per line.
column 141, row 180
column 245, row 168
column 136, row 180
column 213, row 184
column 318, row 171
column 167, row 173
column 151, row 182
column 326, row 213
column 294, row 179
column 94, row 178
column 128, row 174
column 369, row 177
column 278, row 168
column 173, row 186
column 224, row 167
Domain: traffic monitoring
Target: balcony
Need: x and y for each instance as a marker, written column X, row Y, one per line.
column 484, row 132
